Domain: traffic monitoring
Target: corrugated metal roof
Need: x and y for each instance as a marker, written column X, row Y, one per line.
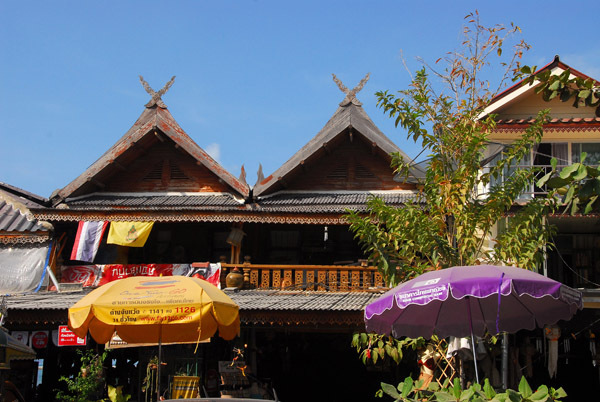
column 16, row 217
column 44, row 300
column 99, row 201
column 278, row 300
column 248, row 300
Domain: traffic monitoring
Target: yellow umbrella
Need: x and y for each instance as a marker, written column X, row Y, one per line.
column 152, row 309
column 155, row 310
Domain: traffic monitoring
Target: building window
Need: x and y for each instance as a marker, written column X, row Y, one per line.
column 592, row 149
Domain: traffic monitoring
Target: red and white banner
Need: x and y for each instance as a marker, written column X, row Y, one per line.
column 113, row 272
column 87, row 275
column 98, row 275
column 208, row 271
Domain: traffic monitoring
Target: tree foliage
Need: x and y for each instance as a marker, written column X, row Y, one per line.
column 576, row 186
column 373, row 348
column 458, row 204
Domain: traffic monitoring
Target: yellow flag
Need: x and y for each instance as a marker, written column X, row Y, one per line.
column 130, row 234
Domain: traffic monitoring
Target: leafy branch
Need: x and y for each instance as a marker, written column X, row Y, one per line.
column 412, row 391
column 373, row 348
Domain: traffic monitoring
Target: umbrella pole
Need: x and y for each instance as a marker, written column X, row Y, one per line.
column 159, row 363
column 472, row 338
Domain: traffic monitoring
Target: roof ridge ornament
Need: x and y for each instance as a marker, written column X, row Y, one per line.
column 156, row 96
column 351, row 94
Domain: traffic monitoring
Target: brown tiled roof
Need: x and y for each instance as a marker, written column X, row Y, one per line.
column 328, row 202
column 561, row 121
column 568, row 124
column 289, row 206
column 100, row 201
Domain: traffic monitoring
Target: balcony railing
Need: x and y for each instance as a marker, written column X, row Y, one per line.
column 533, row 190
column 332, row 278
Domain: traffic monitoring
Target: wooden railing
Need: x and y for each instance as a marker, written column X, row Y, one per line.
column 332, row 278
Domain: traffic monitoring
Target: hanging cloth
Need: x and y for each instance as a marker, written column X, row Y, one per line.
column 130, row 234
column 87, row 241
column 552, row 333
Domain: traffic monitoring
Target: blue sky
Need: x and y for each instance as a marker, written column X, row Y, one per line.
column 253, row 77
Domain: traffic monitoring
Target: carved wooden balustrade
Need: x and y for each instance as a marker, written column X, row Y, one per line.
column 332, row 278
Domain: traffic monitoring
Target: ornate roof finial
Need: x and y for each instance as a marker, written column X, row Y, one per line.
column 259, row 175
column 156, row 96
column 351, row 95
column 242, row 177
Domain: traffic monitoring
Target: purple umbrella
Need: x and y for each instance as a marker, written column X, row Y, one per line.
column 471, row 300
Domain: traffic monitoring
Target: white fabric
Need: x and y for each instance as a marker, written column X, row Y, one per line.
column 462, row 348
column 552, row 334
column 21, row 268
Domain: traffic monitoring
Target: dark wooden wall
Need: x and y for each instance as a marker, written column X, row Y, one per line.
column 164, row 168
column 351, row 165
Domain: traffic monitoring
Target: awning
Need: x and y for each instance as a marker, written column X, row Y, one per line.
column 13, row 349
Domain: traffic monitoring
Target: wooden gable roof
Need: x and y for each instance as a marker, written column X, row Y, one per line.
column 350, row 148
column 155, row 154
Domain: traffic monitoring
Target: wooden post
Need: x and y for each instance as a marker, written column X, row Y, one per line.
column 224, row 271
column 246, row 268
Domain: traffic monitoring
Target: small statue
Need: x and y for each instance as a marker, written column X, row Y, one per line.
column 428, row 360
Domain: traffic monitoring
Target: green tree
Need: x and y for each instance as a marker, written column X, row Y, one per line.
column 452, row 221
column 460, row 206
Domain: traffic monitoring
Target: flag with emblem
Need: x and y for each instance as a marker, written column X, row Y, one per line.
column 130, row 234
